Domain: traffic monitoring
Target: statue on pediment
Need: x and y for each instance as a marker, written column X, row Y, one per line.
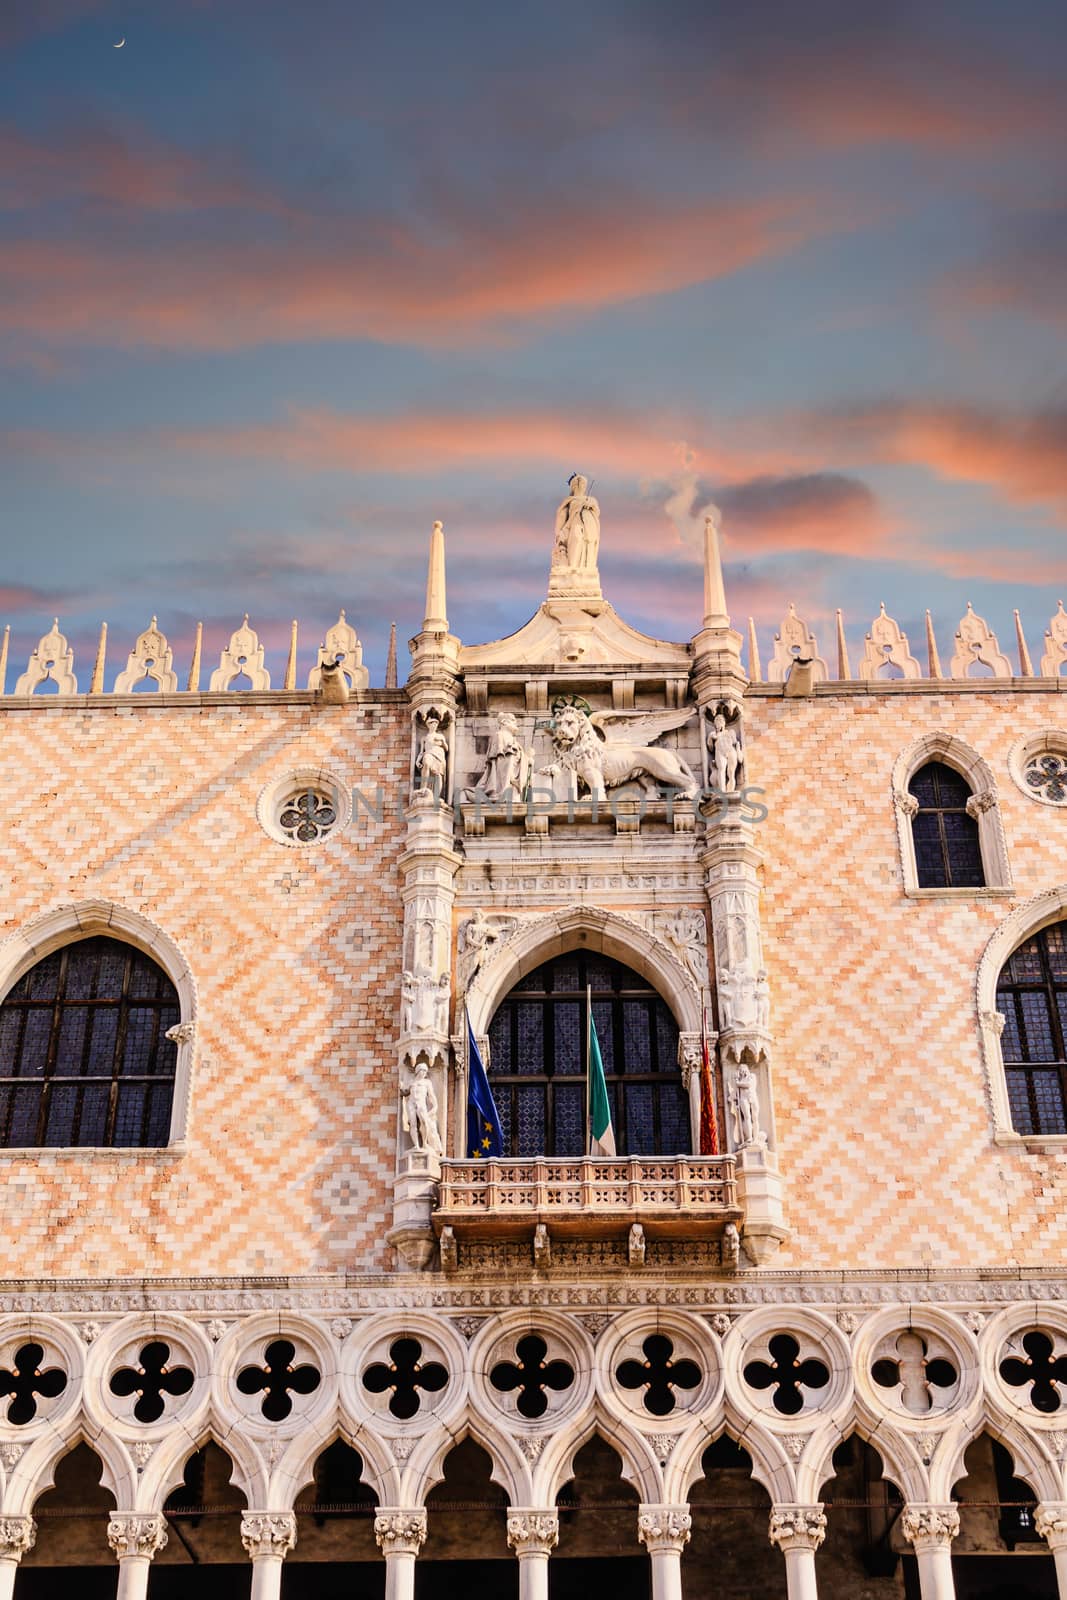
column 577, row 528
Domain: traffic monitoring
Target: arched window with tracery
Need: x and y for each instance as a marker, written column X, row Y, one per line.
column 538, row 1060
column 1032, row 997
column 948, row 851
column 84, row 1057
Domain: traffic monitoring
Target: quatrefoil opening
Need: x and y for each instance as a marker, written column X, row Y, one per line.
column 532, row 1376
column 658, row 1375
column 914, row 1374
column 787, row 1376
column 27, row 1381
column 277, row 1379
column 404, row 1376
column 152, row 1381
column 1042, row 1371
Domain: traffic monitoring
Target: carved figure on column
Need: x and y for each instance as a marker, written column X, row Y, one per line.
column 424, row 1001
column 744, row 1106
column 738, row 992
column 763, row 1000
column 726, row 748
column 507, row 762
column 431, row 763
column 419, row 1111
column 577, row 528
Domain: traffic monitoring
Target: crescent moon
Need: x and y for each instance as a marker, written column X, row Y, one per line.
column 120, row 44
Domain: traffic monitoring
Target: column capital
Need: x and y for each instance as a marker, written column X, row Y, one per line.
column 17, row 1535
column 1050, row 1520
column 268, row 1533
column 929, row 1527
column 664, row 1527
column 532, row 1532
column 137, row 1533
column 797, row 1527
column 397, row 1530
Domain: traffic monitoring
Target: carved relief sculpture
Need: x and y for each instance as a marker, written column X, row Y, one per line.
column 726, row 749
column 744, row 1106
column 686, row 932
column 477, row 941
column 419, row 1112
column 599, row 750
column 507, row 763
column 431, row 763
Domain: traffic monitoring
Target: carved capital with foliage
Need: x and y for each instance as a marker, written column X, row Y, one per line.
column 17, row 1535
column 268, row 1533
column 400, row 1532
column 662, row 1528
column 797, row 1527
column 137, row 1534
column 533, row 1532
column 928, row 1526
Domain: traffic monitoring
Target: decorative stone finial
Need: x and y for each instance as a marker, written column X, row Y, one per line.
column 715, row 613
column 887, row 644
column 1055, row 644
column 976, row 642
column 342, row 647
column 933, row 659
column 96, row 684
column 194, row 666
column 290, row 665
column 52, row 661
column 794, row 642
column 844, row 670
column 755, row 670
column 390, row 660
column 151, row 657
column 243, row 655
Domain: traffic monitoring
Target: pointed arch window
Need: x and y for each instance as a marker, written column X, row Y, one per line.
column 538, row 1060
column 948, row 851
column 84, row 1054
column 1032, row 998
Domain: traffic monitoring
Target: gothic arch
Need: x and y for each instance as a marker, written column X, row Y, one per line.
column 611, row 933
column 955, row 753
column 84, row 919
column 1027, row 919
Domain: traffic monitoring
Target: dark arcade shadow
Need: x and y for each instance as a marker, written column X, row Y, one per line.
column 998, row 1552
column 598, row 1551
column 335, row 1551
column 71, row 1555
column 466, row 1549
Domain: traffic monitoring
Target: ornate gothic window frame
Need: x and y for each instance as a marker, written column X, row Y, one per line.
column 955, row 753
column 69, row 924
column 540, row 938
column 1026, row 920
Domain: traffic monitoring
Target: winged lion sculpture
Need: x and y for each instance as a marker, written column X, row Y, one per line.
column 600, row 750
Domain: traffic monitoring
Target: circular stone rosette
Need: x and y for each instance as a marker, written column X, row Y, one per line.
column 404, row 1373
column 657, row 1370
column 915, row 1366
column 534, row 1372
column 44, row 1363
column 790, row 1366
column 277, row 1372
column 1024, row 1364
column 304, row 808
column 147, row 1372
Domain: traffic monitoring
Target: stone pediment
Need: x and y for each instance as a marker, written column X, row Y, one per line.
column 572, row 631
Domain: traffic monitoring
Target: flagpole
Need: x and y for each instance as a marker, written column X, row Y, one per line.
column 588, row 1069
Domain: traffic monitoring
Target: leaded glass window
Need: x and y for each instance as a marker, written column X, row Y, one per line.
column 84, row 1057
column 1032, row 996
column 538, row 1059
column 948, row 854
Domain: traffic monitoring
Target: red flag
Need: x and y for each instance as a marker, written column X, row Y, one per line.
column 709, row 1126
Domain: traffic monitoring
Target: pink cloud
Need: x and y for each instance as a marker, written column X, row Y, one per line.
column 382, row 280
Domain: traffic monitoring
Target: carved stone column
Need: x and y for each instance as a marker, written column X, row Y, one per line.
column 665, row 1531
column 1050, row 1520
column 931, row 1529
column 400, row 1535
column 730, row 860
column 17, row 1535
column 135, row 1537
column 798, row 1531
column 268, row 1536
column 533, row 1535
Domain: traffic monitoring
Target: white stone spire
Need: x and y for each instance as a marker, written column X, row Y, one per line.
column 715, row 613
column 436, row 619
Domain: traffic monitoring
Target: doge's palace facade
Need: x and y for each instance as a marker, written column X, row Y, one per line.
column 265, row 1312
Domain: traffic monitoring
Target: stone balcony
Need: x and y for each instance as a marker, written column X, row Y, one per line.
column 685, row 1197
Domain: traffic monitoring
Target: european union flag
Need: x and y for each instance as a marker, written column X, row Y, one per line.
column 484, row 1135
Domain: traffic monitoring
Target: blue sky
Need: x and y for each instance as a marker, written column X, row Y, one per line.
column 279, row 285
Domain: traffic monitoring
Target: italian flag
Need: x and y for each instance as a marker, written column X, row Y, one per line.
column 601, row 1133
